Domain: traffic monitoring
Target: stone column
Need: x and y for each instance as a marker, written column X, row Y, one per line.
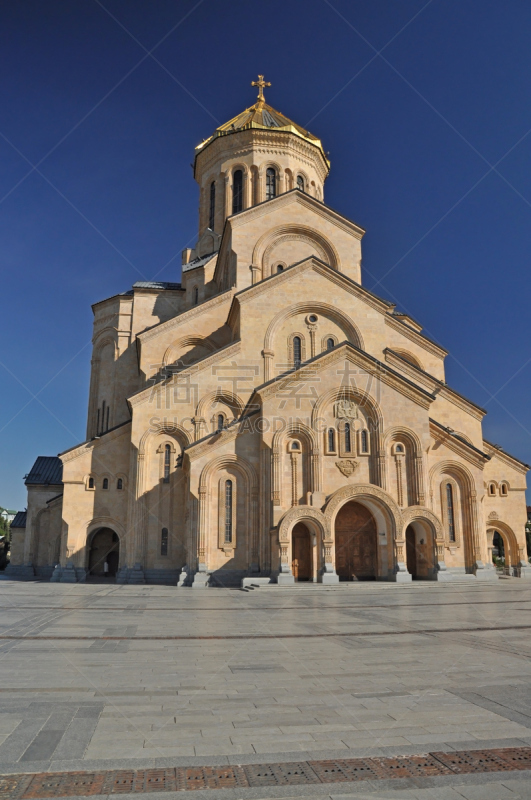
column 399, row 458
column 285, row 576
column 198, row 423
column 201, row 576
column 139, row 515
column 329, row 574
column 246, row 190
column 227, row 209
column 255, row 557
column 313, row 333
column 268, row 364
column 294, row 478
column 401, row 572
column 419, row 479
column 260, row 194
column 276, row 476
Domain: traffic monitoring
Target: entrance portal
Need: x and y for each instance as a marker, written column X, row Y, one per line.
column 411, row 551
column 301, row 565
column 355, row 536
column 104, row 548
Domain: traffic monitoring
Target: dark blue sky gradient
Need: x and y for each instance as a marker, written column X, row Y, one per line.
column 412, row 140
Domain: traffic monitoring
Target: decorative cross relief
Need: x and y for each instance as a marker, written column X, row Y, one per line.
column 347, row 466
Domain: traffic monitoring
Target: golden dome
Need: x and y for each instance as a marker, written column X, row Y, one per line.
column 263, row 117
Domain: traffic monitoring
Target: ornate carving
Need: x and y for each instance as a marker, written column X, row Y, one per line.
column 346, row 409
column 347, row 466
column 414, row 513
column 301, row 513
column 493, row 515
column 355, row 491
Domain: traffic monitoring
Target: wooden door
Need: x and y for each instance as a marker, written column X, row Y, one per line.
column 355, row 538
column 301, row 553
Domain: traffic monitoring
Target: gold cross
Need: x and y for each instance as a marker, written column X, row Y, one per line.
column 260, row 83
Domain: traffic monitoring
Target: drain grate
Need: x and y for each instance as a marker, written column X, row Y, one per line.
column 38, row 786
column 280, row 774
column 467, row 761
column 351, row 769
column 410, row 767
column 517, row 757
column 211, row 778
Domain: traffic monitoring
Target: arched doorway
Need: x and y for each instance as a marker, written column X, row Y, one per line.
column 355, row 539
column 104, row 548
column 411, row 551
column 498, row 546
column 301, row 565
column 421, row 560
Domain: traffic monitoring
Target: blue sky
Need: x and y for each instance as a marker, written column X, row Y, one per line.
column 424, row 107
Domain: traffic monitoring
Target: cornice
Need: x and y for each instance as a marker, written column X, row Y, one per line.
column 315, row 264
column 184, row 316
column 222, row 144
column 418, row 338
column 434, row 385
column 467, row 451
column 199, row 366
column 86, row 447
column 296, row 196
column 348, row 351
column 126, row 298
column 214, row 440
column 511, row 461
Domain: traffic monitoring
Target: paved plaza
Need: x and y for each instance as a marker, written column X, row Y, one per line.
column 103, row 677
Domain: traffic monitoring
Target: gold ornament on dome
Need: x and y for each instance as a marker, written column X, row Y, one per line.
column 261, row 83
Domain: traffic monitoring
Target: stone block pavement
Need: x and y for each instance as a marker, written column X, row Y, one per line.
column 105, row 677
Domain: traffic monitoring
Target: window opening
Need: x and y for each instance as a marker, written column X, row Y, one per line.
column 450, row 509
column 228, row 512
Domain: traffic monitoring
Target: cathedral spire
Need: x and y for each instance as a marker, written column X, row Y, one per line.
column 260, row 83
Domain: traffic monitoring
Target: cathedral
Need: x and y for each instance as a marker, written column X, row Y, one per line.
column 268, row 419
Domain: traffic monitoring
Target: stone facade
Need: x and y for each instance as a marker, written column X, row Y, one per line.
column 269, row 417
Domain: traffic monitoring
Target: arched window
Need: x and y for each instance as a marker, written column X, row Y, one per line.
column 331, row 440
column 399, row 448
column 330, row 344
column 228, row 512
column 504, row 489
column 492, row 489
column 450, row 511
column 300, row 183
column 196, row 295
column 119, row 484
column 271, row 183
column 105, row 483
column 164, row 542
column 297, row 351
column 212, row 209
column 221, row 422
column 167, row 463
column 237, row 192
column 280, row 268
column 295, row 445
column 91, row 483
column 364, row 441
column 348, row 442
